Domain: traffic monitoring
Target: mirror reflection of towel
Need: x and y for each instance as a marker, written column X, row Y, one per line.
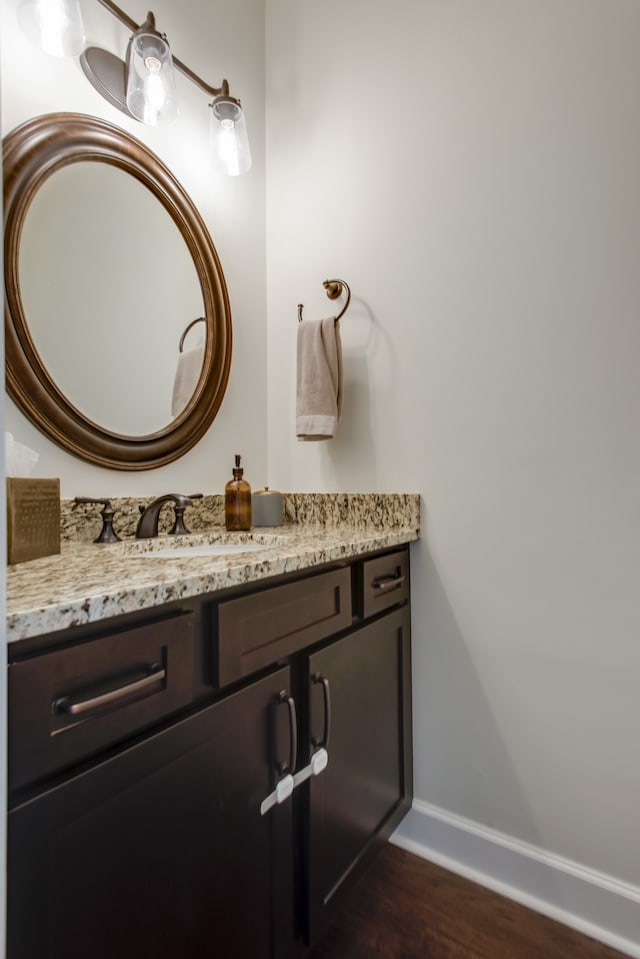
column 319, row 379
column 187, row 376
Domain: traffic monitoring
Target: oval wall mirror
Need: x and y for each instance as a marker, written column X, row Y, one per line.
column 112, row 284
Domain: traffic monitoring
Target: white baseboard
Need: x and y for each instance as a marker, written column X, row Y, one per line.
column 593, row 903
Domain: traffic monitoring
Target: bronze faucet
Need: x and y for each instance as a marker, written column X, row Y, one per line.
column 149, row 516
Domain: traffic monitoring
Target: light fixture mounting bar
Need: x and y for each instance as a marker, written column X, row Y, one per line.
column 182, row 67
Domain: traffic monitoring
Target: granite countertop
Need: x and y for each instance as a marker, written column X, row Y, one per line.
column 87, row 582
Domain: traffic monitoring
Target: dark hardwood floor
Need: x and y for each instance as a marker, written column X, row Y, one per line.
column 406, row 908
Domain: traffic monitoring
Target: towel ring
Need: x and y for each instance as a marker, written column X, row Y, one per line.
column 199, row 319
column 334, row 288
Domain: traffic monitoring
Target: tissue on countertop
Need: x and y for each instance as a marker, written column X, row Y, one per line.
column 33, row 518
column 19, row 460
column 33, row 506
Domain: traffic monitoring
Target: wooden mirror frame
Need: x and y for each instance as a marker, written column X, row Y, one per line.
column 32, row 153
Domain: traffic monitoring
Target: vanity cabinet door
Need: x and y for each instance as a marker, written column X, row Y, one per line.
column 365, row 790
column 162, row 850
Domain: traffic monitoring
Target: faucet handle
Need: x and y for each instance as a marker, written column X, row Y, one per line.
column 107, row 533
column 179, row 528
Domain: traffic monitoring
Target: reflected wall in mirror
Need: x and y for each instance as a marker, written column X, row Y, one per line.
column 107, row 262
column 125, row 286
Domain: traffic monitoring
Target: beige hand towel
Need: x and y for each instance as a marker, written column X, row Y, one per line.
column 187, row 375
column 319, row 379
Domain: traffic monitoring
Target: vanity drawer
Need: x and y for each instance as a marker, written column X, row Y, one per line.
column 69, row 704
column 385, row 582
column 255, row 631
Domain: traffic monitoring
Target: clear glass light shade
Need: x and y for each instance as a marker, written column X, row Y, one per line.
column 229, row 140
column 151, row 81
column 54, row 25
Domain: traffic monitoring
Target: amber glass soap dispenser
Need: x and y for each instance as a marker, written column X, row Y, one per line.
column 237, row 501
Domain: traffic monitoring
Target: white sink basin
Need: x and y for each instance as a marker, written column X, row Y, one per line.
column 201, row 544
column 221, row 549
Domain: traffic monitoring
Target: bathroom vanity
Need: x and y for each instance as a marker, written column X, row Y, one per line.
column 204, row 749
column 207, row 773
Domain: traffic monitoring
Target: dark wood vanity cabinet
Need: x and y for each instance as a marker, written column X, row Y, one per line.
column 366, row 783
column 160, row 850
column 229, row 824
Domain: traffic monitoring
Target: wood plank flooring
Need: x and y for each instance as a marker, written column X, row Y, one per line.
column 406, row 908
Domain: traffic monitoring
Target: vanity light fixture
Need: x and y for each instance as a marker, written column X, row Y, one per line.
column 151, row 82
column 144, row 86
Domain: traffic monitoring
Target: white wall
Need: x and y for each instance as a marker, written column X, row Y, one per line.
column 471, row 169
column 217, row 40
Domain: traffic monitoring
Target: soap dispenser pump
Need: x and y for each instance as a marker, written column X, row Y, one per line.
column 237, row 501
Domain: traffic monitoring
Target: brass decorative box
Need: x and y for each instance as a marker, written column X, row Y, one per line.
column 33, row 518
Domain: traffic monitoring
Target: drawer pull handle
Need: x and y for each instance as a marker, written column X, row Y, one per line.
column 65, row 705
column 385, row 583
column 326, row 693
column 285, row 785
column 293, row 734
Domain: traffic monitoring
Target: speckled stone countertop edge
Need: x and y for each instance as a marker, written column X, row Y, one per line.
column 87, row 583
